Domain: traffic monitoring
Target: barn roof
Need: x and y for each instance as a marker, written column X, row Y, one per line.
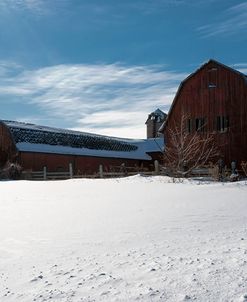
column 35, row 138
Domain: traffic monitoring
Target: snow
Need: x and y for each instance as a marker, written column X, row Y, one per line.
column 131, row 239
column 143, row 146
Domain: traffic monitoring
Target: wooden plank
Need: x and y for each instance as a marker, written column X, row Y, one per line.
column 39, row 175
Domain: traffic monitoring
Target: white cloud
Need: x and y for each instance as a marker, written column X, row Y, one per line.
column 8, row 67
column 231, row 21
column 242, row 67
column 96, row 11
column 99, row 98
column 33, row 6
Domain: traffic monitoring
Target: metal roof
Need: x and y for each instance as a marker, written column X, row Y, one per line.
column 35, row 138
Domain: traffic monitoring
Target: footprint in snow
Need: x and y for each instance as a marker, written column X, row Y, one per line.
column 185, row 298
column 37, row 278
column 154, row 293
column 105, row 293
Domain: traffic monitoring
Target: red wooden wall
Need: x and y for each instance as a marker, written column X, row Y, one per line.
column 81, row 164
column 7, row 147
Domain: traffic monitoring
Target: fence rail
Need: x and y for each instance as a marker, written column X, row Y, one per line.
column 117, row 171
column 39, row 175
column 122, row 171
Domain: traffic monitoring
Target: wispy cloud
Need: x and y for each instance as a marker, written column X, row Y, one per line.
column 110, row 99
column 231, row 21
column 112, row 9
column 8, row 67
column 37, row 6
column 242, row 67
column 150, row 6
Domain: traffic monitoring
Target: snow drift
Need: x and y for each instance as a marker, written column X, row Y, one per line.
column 132, row 239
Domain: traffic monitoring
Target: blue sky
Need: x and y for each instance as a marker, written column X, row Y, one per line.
column 102, row 66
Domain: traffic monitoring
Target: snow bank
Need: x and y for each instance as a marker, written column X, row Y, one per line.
column 131, row 239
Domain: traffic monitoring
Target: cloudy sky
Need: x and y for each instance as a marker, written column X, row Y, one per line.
column 102, row 66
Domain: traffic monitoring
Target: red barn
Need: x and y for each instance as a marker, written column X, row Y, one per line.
column 35, row 147
column 214, row 100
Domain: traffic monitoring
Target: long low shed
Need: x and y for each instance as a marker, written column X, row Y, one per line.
column 35, row 147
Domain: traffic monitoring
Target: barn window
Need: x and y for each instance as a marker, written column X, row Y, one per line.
column 210, row 85
column 189, row 125
column 222, row 123
column 200, row 124
column 212, row 74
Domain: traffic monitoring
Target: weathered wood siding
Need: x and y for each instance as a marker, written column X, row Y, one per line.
column 7, row 146
column 215, row 90
column 81, row 164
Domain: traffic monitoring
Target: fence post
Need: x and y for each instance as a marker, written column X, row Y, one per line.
column 70, row 170
column 156, row 167
column 100, row 171
column 45, row 173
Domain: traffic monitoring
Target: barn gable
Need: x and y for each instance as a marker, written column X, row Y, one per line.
column 212, row 64
column 213, row 100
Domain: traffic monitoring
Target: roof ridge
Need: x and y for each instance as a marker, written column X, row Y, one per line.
column 65, row 130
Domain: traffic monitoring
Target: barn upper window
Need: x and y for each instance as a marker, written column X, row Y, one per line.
column 222, row 123
column 210, row 85
column 212, row 77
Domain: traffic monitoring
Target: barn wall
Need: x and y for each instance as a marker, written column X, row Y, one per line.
column 81, row 164
column 7, row 146
column 215, row 91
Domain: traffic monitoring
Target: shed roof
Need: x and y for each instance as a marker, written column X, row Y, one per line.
column 35, row 138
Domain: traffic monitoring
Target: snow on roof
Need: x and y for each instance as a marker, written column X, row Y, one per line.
column 35, row 138
column 159, row 112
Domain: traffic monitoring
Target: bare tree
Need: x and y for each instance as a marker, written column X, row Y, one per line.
column 11, row 171
column 244, row 167
column 186, row 150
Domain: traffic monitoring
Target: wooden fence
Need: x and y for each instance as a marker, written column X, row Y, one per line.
column 117, row 171
column 120, row 171
column 214, row 172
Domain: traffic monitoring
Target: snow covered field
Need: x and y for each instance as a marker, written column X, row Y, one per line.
column 132, row 239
